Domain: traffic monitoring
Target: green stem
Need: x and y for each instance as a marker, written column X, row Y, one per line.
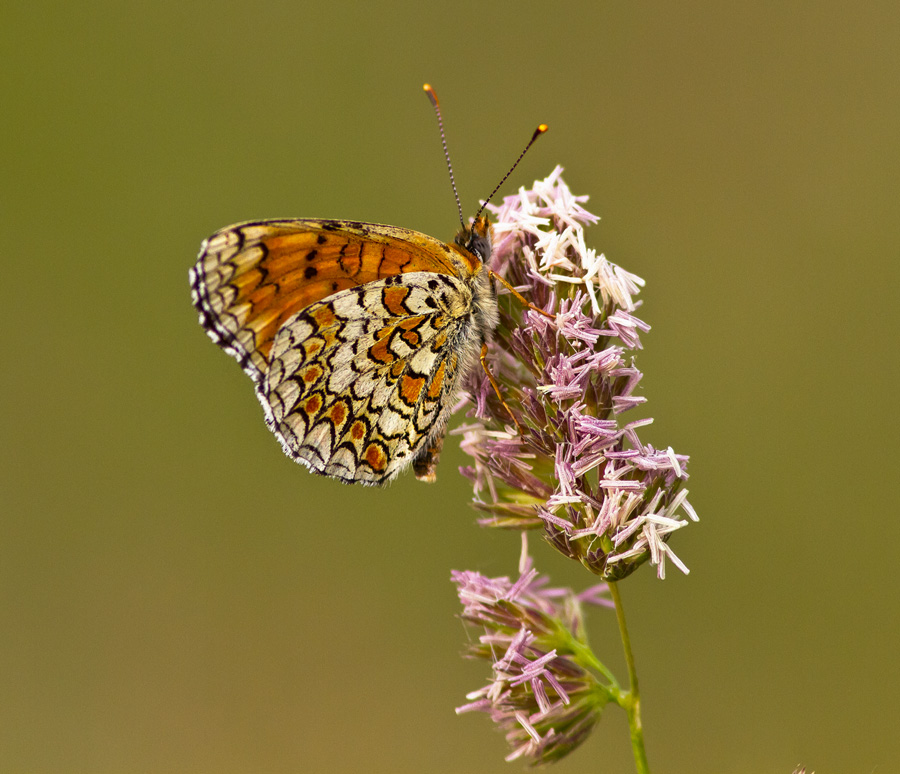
column 631, row 702
column 585, row 656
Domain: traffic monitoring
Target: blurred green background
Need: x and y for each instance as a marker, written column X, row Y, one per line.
column 178, row 596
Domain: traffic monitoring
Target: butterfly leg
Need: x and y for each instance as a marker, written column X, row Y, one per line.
column 493, row 381
column 425, row 465
column 524, row 301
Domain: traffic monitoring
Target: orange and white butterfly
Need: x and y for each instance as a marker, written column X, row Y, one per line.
column 357, row 336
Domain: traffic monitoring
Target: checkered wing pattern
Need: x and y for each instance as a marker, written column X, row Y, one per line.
column 361, row 383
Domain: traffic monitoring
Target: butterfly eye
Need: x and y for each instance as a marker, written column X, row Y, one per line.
column 477, row 238
column 481, row 246
column 479, row 241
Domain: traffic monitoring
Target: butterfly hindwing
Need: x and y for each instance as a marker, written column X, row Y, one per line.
column 361, row 383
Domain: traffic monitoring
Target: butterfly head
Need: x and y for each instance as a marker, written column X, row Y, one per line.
column 476, row 238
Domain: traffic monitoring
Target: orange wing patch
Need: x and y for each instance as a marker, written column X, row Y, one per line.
column 311, row 373
column 410, row 335
column 437, row 381
column 380, row 352
column 375, row 457
column 393, row 297
column 338, row 414
column 410, row 388
column 357, row 430
column 324, row 317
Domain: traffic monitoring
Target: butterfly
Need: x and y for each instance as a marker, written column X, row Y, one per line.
column 357, row 336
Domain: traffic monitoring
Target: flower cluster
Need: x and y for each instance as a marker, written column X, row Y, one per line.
column 569, row 466
column 545, row 693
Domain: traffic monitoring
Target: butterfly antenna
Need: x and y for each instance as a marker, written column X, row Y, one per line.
column 537, row 133
column 437, row 109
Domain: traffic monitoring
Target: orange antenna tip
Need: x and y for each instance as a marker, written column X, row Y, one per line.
column 430, row 92
column 537, row 133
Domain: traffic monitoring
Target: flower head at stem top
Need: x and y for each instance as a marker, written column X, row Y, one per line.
column 572, row 467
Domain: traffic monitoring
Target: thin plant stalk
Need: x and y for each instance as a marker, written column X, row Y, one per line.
column 631, row 701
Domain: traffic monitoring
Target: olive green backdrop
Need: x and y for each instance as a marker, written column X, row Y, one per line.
column 177, row 596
